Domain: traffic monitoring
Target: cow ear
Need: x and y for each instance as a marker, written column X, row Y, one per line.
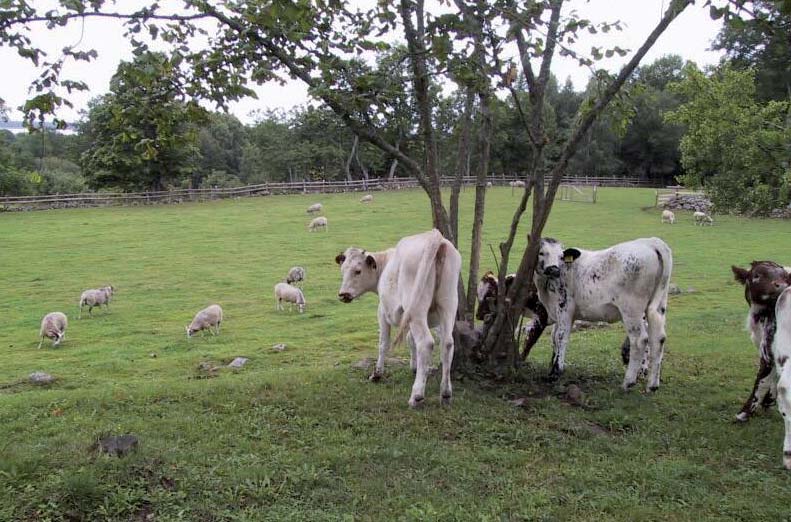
column 340, row 258
column 740, row 274
column 370, row 261
column 571, row 254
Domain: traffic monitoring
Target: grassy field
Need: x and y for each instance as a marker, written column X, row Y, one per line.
column 301, row 435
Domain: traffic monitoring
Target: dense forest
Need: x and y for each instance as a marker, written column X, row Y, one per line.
column 724, row 129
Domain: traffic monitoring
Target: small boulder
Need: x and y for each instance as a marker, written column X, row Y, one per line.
column 238, row 362
column 118, row 446
column 41, row 378
column 574, row 395
column 673, row 289
column 280, row 347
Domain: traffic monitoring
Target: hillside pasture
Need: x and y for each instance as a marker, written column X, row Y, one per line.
column 301, row 435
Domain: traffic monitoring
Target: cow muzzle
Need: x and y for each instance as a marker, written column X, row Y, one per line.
column 345, row 297
column 552, row 271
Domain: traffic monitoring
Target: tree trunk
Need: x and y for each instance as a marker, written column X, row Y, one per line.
column 484, row 148
column 394, row 164
column 462, row 162
column 352, row 154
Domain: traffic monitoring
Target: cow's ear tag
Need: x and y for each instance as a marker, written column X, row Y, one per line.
column 568, row 258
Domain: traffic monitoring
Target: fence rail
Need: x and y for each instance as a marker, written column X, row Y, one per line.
column 663, row 195
column 98, row 199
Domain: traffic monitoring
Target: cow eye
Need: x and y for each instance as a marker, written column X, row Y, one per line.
column 540, row 254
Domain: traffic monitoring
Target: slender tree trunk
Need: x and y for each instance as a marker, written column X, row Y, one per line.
column 484, row 149
column 462, row 161
column 351, row 157
column 394, row 164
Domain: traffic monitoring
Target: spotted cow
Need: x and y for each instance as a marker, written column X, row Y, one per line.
column 763, row 283
column 627, row 282
column 782, row 356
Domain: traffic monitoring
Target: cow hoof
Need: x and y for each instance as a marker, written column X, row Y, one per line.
column 742, row 417
column 416, row 402
column 446, row 400
column 554, row 375
column 627, row 386
column 653, row 388
column 375, row 377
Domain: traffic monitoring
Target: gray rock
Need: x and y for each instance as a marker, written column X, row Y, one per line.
column 117, row 446
column 238, row 362
column 691, row 290
column 673, row 289
column 41, row 378
column 574, row 395
column 280, row 347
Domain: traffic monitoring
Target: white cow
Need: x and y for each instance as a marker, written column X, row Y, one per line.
column 417, row 286
column 701, row 218
column 782, row 354
column 668, row 217
column 627, row 282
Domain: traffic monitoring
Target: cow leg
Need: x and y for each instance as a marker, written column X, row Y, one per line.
column 446, row 356
column 384, row 347
column 424, row 345
column 638, row 340
column 412, row 353
column 784, row 405
column 760, row 388
column 560, row 338
column 656, row 347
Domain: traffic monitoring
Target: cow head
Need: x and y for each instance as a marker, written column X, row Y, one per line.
column 359, row 272
column 763, row 282
column 487, row 293
column 552, row 257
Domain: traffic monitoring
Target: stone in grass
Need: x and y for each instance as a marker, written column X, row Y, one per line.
column 673, row 289
column 238, row 362
column 280, row 347
column 118, row 446
column 41, row 378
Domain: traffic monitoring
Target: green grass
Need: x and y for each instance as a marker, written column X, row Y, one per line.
column 300, row 435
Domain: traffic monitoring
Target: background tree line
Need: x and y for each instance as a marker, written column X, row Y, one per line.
column 143, row 136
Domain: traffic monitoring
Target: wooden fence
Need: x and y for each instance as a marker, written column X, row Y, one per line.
column 664, row 195
column 99, row 199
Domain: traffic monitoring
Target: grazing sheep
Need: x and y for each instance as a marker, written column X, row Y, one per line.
column 290, row 294
column 53, row 326
column 701, row 218
column 367, row 198
column 316, row 207
column 96, row 297
column 209, row 317
column 295, row 275
column 668, row 217
column 488, row 184
column 319, row 222
column 517, row 184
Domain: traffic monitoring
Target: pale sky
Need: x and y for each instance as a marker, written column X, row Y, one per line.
column 689, row 36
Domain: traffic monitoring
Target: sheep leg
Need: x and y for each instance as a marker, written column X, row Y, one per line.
column 41, row 341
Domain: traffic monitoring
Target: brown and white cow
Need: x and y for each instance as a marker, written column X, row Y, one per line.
column 763, row 283
column 488, row 290
column 627, row 282
column 417, row 286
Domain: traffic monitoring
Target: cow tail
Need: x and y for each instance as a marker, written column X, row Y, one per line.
column 427, row 263
column 658, row 300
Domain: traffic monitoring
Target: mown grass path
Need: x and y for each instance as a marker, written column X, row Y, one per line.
column 300, row 435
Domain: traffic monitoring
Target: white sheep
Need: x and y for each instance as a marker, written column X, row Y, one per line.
column 316, row 207
column 209, row 317
column 53, row 326
column 295, row 275
column 290, row 294
column 517, row 184
column 367, row 198
column 668, row 217
column 96, row 297
column 319, row 222
column 488, row 184
column 701, row 218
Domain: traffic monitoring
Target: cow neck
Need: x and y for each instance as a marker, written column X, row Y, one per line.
column 382, row 258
